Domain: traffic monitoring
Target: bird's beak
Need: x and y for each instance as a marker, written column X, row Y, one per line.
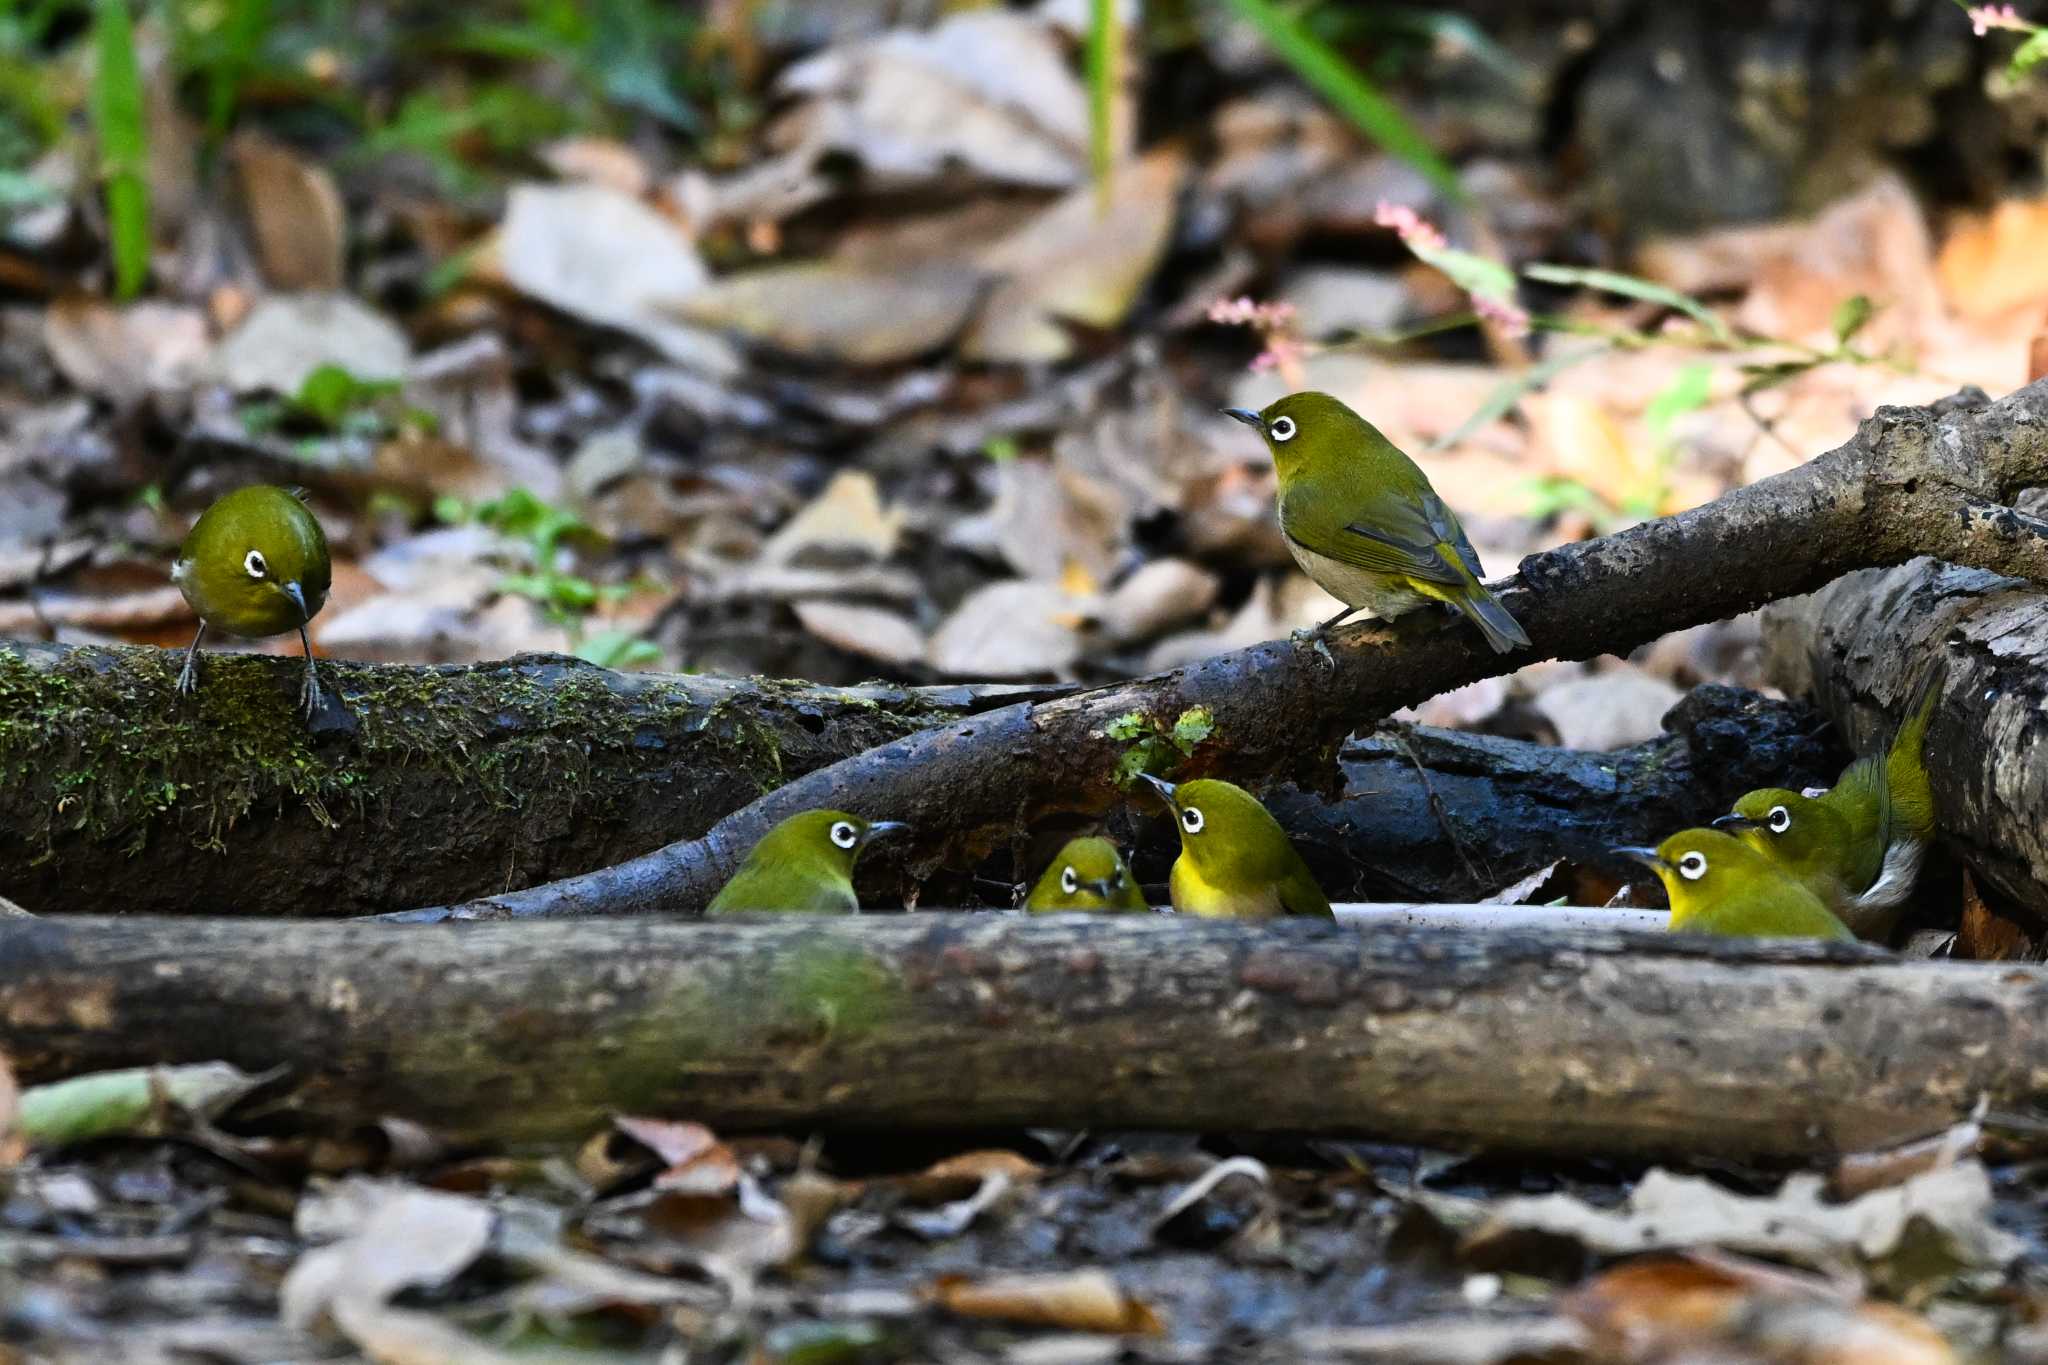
column 1164, row 788
column 298, row 596
column 1246, row 416
column 1635, row 854
column 882, row 827
column 1735, row 822
column 1104, row 888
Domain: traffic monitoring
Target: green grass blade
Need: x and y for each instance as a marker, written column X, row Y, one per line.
column 1338, row 82
column 1102, row 78
column 1628, row 286
column 124, row 143
column 1510, row 391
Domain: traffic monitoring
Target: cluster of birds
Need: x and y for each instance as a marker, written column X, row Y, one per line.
column 1362, row 520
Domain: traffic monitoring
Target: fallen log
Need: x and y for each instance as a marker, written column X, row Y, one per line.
column 464, row 781
column 1860, row 648
column 1629, row 1044
column 1911, row 481
column 439, row 781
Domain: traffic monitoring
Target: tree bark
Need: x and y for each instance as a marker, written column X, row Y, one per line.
column 460, row 782
column 1911, row 481
column 1628, row 1044
column 1861, row 648
column 117, row 794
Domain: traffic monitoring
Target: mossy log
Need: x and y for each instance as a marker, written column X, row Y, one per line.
column 1628, row 1044
column 1863, row 646
column 116, row 794
column 1936, row 480
column 454, row 782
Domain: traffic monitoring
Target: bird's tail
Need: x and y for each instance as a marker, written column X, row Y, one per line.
column 1484, row 610
column 1905, row 762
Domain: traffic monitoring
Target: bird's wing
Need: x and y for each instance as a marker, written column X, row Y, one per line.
column 1405, row 534
column 1300, row 894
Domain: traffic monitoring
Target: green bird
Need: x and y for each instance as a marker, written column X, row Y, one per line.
column 1235, row 861
column 1720, row 885
column 1088, row 874
column 805, row 863
column 254, row 564
column 1859, row 844
column 1363, row 522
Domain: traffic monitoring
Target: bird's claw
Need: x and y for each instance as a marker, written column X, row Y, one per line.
column 188, row 678
column 1314, row 638
column 309, row 695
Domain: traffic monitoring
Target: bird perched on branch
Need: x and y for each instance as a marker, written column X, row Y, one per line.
column 805, row 864
column 1235, row 861
column 1364, row 523
column 1087, row 874
column 1858, row 845
column 1720, row 885
column 254, row 564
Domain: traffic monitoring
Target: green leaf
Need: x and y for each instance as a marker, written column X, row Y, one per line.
column 1130, row 725
column 1337, row 81
column 1131, row 763
column 1850, row 317
column 1628, row 286
column 330, row 394
column 1103, row 35
column 1510, row 391
column 1774, row 373
column 1687, row 392
column 2029, row 54
column 124, row 143
column 1196, row 724
column 618, row 649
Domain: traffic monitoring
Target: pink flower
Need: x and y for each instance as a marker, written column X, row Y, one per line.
column 1416, row 231
column 1284, row 354
column 1245, row 312
column 1509, row 316
column 1984, row 18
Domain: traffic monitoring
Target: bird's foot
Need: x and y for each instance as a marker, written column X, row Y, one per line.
column 1317, row 639
column 188, row 676
column 310, row 698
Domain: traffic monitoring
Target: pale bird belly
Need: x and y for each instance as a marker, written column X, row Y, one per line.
column 1376, row 594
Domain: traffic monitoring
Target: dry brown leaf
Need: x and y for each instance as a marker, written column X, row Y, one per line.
column 393, row 1237
column 1653, row 1310
column 1580, row 440
column 1609, row 710
column 846, row 520
column 1014, row 629
column 1859, row 1173
column 599, row 160
column 113, row 613
column 126, row 352
column 698, row 1163
column 1162, row 594
column 1996, row 261
column 1986, row 935
column 12, row 1146
column 871, row 632
column 295, row 214
column 835, row 311
column 404, row 1336
column 609, row 259
column 1078, row 1301
column 1077, row 262
column 288, row 336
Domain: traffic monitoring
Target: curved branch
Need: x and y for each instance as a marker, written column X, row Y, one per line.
column 1280, row 710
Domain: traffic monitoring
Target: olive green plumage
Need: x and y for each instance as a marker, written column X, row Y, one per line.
column 803, row 864
column 1859, row 844
column 1087, row 874
column 1362, row 520
column 1235, row 861
column 1720, row 885
column 254, row 564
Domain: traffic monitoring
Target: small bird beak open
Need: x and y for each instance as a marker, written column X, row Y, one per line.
column 298, row 596
column 1735, row 823
column 1635, row 854
column 1164, row 788
column 882, row 827
column 1246, row 416
column 1104, row 888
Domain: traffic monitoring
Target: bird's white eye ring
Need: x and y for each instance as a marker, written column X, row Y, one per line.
column 253, row 563
column 1282, row 429
column 1781, row 820
column 1069, row 883
column 844, row 834
column 1191, row 820
column 1693, row 866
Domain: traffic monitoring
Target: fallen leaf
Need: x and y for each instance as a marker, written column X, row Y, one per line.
column 1162, row 594
column 1078, row 1301
column 12, row 1145
column 698, row 1163
column 1447, row 1341
column 138, row 1101
column 1580, row 440
column 288, row 336
column 1013, row 629
column 988, row 90
column 1861, row 1172
column 950, row 1220
column 126, row 352
column 841, row 312
column 730, row 1236
column 392, row 1237
column 871, row 632
column 1941, row 1217
column 600, row 161
column 295, row 214
column 1666, row 1308
column 1201, row 1216
column 1609, row 710
column 846, row 519
column 404, row 1336
column 1078, row 262
column 1996, row 261
column 609, row 259
column 1985, row 935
